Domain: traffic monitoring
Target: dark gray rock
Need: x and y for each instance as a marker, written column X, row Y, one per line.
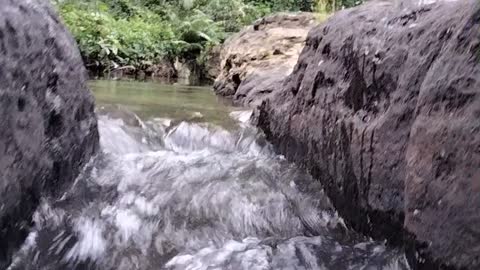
column 383, row 107
column 48, row 129
column 259, row 86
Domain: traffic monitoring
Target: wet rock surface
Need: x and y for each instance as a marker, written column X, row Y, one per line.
column 48, row 129
column 257, row 60
column 383, row 107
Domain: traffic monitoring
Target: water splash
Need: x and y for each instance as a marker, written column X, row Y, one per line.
column 166, row 195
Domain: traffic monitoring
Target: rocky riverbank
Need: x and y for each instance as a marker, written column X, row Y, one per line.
column 48, row 129
column 383, row 108
column 255, row 62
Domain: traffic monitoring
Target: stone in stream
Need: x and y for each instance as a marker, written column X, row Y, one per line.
column 255, row 61
column 383, row 107
column 48, row 129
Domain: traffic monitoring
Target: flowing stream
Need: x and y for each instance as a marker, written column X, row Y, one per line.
column 184, row 182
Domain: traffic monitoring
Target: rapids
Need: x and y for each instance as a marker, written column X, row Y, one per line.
column 168, row 193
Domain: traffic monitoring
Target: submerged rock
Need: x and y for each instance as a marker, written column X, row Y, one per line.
column 48, row 128
column 383, row 107
column 255, row 61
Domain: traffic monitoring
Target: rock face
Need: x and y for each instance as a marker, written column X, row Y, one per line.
column 212, row 63
column 48, row 129
column 255, row 61
column 383, row 107
column 165, row 69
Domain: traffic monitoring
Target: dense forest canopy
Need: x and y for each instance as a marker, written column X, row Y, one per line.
column 139, row 33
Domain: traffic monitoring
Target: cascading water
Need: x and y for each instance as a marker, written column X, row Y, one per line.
column 168, row 194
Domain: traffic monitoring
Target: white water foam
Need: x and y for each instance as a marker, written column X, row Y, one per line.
column 195, row 197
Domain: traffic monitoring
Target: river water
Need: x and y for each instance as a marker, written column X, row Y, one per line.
column 183, row 181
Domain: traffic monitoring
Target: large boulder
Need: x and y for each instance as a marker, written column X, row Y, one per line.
column 48, row 128
column 383, row 107
column 256, row 60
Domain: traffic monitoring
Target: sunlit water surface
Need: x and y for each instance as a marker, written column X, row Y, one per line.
column 184, row 182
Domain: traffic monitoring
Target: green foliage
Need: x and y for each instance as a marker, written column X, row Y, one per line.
column 333, row 5
column 232, row 15
column 107, row 39
column 140, row 33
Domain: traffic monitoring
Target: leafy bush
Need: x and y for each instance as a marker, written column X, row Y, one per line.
column 108, row 41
